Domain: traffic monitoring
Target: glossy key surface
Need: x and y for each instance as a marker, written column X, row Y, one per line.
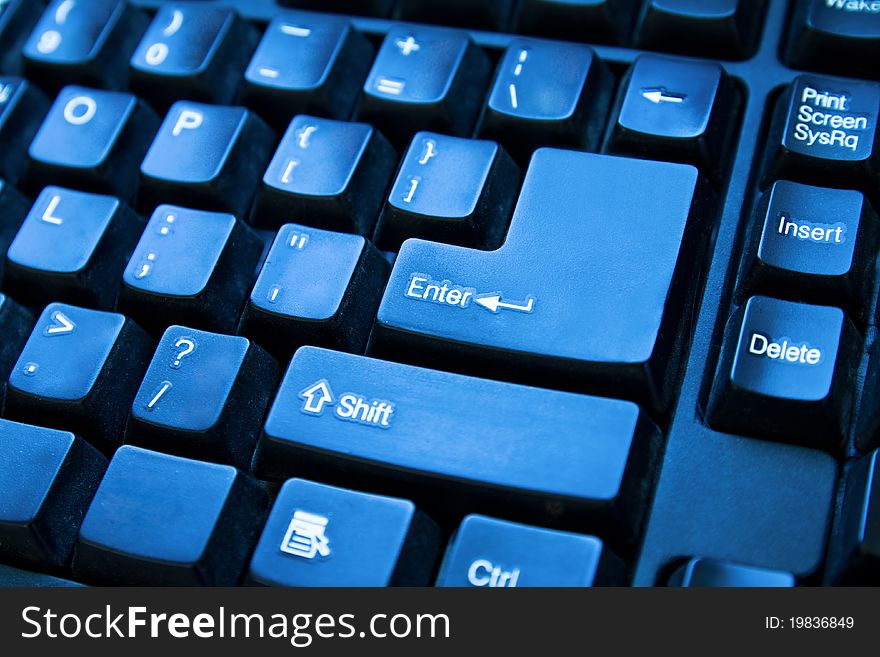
column 423, row 430
column 589, row 281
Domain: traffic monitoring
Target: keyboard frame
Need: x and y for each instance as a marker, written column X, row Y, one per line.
column 760, row 78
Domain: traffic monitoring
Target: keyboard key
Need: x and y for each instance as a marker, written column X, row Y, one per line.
column 192, row 51
column 380, row 8
column 72, row 247
column 192, row 267
column 754, row 502
column 17, row 19
column 835, row 36
column 185, row 522
column 677, row 110
column 427, row 434
column 814, row 244
column 91, row 140
column 582, row 251
column 824, row 132
column 48, row 479
column 424, row 78
column 208, row 156
column 318, row 535
column 329, row 174
column 79, row 372
column 854, row 554
column 87, row 43
column 306, row 64
column 486, row 15
column 491, row 553
column 204, row 396
column 725, row 29
column 16, row 578
column 699, row 572
column 315, row 287
column 595, row 21
column 15, row 327
column 450, row 189
column 785, row 373
column 547, row 94
column 22, row 108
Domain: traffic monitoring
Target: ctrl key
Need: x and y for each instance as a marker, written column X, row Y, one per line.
column 785, row 373
column 490, row 553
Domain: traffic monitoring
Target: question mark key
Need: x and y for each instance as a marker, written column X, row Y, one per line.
column 203, row 396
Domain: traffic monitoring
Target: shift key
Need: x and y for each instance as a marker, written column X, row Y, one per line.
column 475, row 444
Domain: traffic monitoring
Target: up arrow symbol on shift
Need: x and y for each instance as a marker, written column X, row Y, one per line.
column 316, row 396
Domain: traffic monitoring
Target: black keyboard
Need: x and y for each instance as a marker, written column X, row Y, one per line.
column 418, row 292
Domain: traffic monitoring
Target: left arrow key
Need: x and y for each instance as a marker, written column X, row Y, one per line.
column 83, row 383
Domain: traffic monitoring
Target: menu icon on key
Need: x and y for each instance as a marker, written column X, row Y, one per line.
column 305, row 536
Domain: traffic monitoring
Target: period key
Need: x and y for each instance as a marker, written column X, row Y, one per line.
column 785, row 373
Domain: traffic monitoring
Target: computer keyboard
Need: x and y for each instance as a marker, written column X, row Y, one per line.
column 417, row 292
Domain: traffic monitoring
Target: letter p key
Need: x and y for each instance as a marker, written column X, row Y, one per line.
column 187, row 120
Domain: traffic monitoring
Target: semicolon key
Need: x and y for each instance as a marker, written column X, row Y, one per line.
column 587, row 293
column 456, row 443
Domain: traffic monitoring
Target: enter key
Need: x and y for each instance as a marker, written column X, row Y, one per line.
column 590, row 292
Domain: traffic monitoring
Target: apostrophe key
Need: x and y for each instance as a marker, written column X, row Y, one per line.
column 724, row 29
column 79, row 372
column 208, row 156
column 319, row 535
column 328, row 174
column 192, row 51
column 594, row 21
column 315, row 287
column 699, row 572
column 486, row 15
column 192, row 267
column 813, row 244
column 677, row 110
column 824, row 132
column 785, row 373
column 72, row 247
column 15, row 326
column 22, row 108
column 582, row 251
column 854, row 552
column 48, row 479
column 91, row 140
column 425, row 434
column 449, row 189
column 185, row 522
column 424, row 78
column 87, row 43
column 836, row 36
column 204, row 395
column 490, row 553
column 547, row 94
column 307, row 63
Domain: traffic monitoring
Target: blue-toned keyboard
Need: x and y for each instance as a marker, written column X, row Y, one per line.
column 464, row 293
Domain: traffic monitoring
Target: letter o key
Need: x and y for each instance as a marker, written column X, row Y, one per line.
column 80, row 110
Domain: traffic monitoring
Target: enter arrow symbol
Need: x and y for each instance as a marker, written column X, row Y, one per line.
column 61, row 324
column 659, row 95
column 493, row 303
column 316, row 397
